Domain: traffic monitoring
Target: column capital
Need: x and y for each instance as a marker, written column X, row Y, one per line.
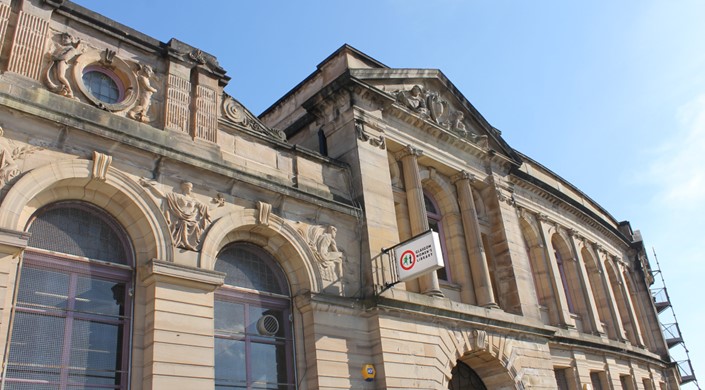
column 408, row 151
column 463, row 175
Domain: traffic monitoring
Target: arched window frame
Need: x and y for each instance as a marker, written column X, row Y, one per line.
column 76, row 269
column 251, row 299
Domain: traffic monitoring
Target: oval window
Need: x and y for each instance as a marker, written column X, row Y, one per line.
column 102, row 85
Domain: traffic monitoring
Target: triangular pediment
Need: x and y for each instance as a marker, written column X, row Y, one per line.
column 427, row 99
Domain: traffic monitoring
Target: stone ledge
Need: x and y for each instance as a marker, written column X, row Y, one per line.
column 164, row 271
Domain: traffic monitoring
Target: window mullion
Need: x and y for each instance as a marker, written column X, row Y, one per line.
column 68, row 331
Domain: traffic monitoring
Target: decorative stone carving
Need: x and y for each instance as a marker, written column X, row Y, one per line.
column 479, row 340
column 363, row 136
column 409, row 151
column 235, row 112
column 8, row 159
column 431, row 106
column 186, row 216
column 322, row 241
column 144, row 100
column 101, row 163
column 65, row 51
column 108, row 57
column 265, row 210
column 414, row 99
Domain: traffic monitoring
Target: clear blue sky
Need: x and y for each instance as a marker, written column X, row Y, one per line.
column 608, row 94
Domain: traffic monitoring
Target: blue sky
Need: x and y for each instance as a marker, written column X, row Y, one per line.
column 608, row 94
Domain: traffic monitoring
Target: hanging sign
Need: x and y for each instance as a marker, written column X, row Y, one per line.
column 419, row 255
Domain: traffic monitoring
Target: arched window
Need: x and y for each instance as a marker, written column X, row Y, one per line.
column 564, row 281
column 72, row 319
column 253, row 335
column 433, row 215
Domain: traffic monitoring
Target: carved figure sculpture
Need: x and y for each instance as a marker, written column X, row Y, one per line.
column 144, row 100
column 458, row 125
column 415, row 99
column 66, row 50
column 322, row 242
column 186, row 216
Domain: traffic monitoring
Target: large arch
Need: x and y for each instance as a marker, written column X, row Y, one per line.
column 276, row 236
column 493, row 357
column 118, row 194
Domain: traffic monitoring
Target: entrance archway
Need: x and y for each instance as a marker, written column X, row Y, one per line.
column 465, row 378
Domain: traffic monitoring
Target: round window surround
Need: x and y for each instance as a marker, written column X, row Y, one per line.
column 108, row 84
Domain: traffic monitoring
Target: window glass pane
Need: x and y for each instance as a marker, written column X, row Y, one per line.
column 266, row 368
column 37, row 340
column 77, row 231
column 41, row 288
column 430, row 207
column 244, row 268
column 95, row 347
column 102, row 86
column 229, row 317
column 230, row 369
column 100, row 296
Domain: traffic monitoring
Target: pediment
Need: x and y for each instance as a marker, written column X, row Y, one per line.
column 234, row 113
column 427, row 99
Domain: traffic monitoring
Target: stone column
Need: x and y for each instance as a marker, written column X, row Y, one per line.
column 473, row 240
column 630, row 305
column 593, row 314
column 178, row 349
column 556, row 282
column 417, row 210
column 611, row 299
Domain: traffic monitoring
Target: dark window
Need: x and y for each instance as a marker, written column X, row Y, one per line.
column 596, row 381
column 434, row 223
column 72, row 315
column 561, row 378
column 465, row 378
column 322, row 143
column 102, row 85
column 253, row 341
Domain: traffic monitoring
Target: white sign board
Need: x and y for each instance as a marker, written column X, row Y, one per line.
column 419, row 255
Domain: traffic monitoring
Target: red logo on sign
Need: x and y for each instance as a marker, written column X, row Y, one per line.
column 407, row 260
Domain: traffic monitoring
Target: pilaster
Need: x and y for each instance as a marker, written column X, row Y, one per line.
column 178, row 349
column 557, row 284
column 611, row 297
column 12, row 245
column 630, row 305
column 593, row 315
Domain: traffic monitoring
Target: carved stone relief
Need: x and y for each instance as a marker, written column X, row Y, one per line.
column 431, row 106
column 101, row 163
column 363, row 136
column 9, row 155
column 144, row 99
column 65, row 50
column 321, row 240
column 235, row 112
column 186, row 216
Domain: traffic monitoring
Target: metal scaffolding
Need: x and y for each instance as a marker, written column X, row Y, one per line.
column 671, row 331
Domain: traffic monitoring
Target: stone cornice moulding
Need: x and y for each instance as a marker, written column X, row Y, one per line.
column 580, row 214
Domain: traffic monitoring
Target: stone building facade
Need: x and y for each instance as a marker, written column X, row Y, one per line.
column 155, row 234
